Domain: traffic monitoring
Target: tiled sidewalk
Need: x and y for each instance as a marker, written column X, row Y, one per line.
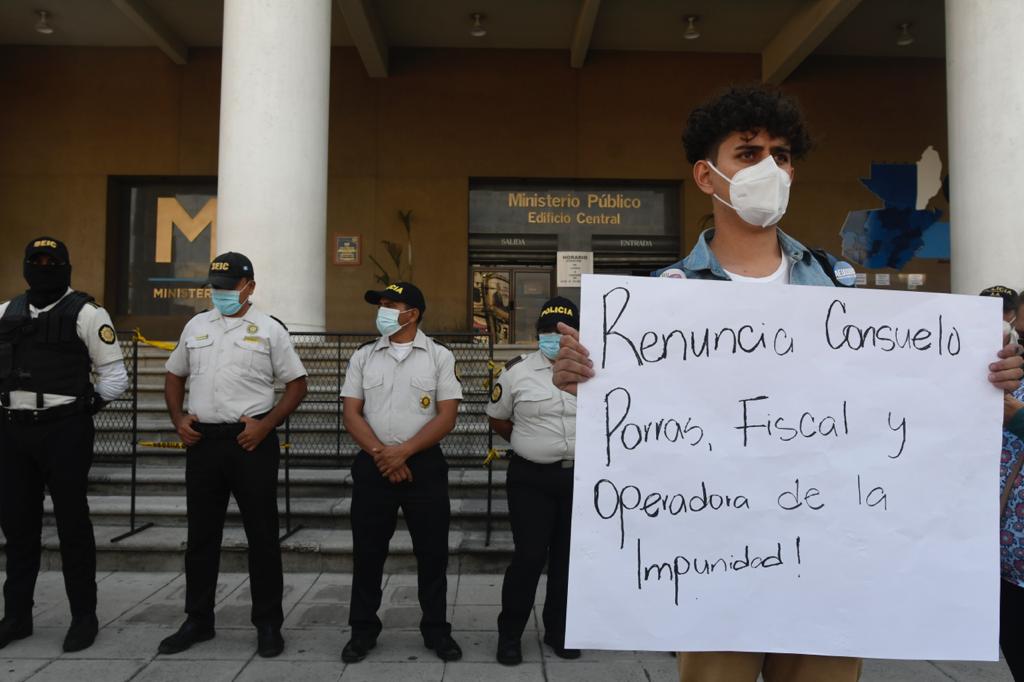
column 137, row 610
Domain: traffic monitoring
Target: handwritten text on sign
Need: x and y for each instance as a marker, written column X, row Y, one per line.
column 787, row 469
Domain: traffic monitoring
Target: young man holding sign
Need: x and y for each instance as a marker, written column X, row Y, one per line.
column 742, row 145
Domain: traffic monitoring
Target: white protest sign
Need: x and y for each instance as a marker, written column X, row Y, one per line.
column 786, row 469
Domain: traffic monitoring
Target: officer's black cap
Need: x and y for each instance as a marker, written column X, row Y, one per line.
column 1008, row 295
column 48, row 246
column 403, row 292
column 558, row 309
column 227, row 268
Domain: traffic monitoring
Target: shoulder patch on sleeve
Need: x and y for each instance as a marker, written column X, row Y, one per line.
column 496, row 393
column 279, row 322
column 107, row 335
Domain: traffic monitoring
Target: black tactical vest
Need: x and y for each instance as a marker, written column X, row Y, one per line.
column 45, row 354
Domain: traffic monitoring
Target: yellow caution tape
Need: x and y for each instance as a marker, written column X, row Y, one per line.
column 181, row 446
column 492, row 455
column 162, row 345
column 495, row 373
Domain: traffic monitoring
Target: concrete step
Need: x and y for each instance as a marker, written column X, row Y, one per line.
column 119, row 454
column 309, row 550
column 150, row 404
column 312, row 453
column 316, row 512
column 150, row 423
column 107, row 480
column 471, row 390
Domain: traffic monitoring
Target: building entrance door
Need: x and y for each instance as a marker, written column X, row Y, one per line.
column 507, row 301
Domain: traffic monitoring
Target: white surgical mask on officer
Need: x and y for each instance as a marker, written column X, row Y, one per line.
column 759, row 193
column 387, row 320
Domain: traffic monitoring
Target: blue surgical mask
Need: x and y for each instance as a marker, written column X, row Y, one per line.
column 387, row 321
column 549, row 344
column 226, row 300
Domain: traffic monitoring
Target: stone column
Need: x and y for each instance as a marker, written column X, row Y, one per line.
column 272, row 176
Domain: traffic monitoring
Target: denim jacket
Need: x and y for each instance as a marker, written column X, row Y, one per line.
column 702, row 263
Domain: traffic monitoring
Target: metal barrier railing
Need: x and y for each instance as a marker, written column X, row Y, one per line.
column 314, row 436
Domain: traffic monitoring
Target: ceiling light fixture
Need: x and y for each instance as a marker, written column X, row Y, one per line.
column 691, row 32
column 43, row 25
column 478, row 30
column 905, row 38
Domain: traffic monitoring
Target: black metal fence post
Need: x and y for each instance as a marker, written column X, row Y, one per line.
column 132, row 530
column 289, row 530
column 490, row 444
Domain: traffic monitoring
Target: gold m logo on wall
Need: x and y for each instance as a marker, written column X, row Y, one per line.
column 171, row 214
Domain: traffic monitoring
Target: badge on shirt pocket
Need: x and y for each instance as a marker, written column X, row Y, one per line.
column 428, row 390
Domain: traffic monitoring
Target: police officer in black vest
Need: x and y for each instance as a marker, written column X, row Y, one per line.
column 51, row 339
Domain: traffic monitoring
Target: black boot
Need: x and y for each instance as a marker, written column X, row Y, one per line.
column 12, row 629
column 357, row 648
column 82, row 633
column 558, row 646
column 191, row 632
column 269, row 642
column 446, row 648
column 510, row 651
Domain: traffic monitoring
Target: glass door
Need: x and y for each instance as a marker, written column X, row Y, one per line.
column 507, row 301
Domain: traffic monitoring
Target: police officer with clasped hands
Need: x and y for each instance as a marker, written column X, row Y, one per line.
column 401, row 397
column 232, row 356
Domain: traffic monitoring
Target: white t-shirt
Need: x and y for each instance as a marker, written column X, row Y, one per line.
column 780, row 276
column 400, row 351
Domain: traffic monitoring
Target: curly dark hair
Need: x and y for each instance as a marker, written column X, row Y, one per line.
column 744, row 108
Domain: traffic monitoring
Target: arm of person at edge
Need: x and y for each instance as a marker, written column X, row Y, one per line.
column 174, row 396
column 1013, row 415
column 391, row 458
column 362, row 433
column 258, row 429
column 574, row 365
column 502, row 427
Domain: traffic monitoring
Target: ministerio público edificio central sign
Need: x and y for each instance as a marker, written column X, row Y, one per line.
column 510, row 206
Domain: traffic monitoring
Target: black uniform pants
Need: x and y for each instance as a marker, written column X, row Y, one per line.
column 1011, row 627
column 540, row 509
column 56, row 455
column 425, row 504
column 215, row 468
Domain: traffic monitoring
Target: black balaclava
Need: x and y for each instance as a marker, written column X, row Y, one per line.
column 46, row 283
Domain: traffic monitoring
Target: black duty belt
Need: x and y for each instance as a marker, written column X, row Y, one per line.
column 50, row 414
column 560, row 464
column 228, row 431
column 219, row 431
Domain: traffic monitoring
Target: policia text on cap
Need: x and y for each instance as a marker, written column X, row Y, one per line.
column 401, row 397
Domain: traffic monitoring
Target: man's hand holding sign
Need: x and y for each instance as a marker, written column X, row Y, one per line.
column 769, row 470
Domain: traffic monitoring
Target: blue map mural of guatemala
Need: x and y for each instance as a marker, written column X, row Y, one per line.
column 904, row 228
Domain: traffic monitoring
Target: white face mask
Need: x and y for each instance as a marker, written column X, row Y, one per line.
column 760, row 193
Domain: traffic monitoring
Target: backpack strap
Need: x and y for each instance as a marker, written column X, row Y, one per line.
column 1011, row 480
